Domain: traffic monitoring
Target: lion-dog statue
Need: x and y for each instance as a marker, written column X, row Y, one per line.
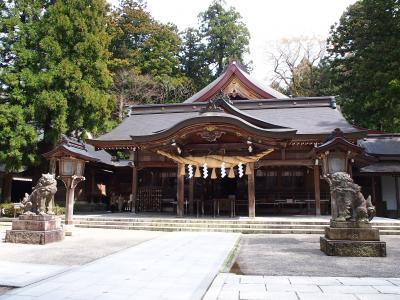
column 348, row 203
column 41, row 201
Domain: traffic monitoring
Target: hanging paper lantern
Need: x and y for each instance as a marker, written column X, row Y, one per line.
column 190, row 170
column 197, row 174
column 240, row 170
column 213, row 174
column 231, row 173
column 223, row 170
column 205, row 171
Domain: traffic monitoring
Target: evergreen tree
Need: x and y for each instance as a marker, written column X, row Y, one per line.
column 73, row 80
column 19, row 38
column 364, row 50
column 17, row 138
column 226, row 36
column 193, row 59
column 145, row 50
column 54, row 66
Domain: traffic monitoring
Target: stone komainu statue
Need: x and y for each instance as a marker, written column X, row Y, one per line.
column 348, row 203
column 41, row 201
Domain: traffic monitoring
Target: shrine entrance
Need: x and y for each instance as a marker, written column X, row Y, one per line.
column 225, row 197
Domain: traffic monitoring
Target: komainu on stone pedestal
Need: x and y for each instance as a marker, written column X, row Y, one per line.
column 350, row 232
column 37, row 225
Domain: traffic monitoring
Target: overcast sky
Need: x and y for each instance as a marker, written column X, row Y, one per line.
column 267, row 20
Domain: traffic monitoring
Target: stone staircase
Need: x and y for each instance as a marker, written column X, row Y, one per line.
column 241, row 225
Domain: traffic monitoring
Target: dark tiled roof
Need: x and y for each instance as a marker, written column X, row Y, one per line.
column 382, row 167
column 381, row 145
column 307, row 116
column 104, row 157
column 307, row 120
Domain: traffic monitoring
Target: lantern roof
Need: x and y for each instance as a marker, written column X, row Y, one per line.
column 71, row 147
column 337, row 140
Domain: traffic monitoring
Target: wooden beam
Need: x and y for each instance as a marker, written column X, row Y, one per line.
column 317, row 191
column 251, row 192
column 180, row 191
column 277, row 162
column 191, row 195
column 157, row 164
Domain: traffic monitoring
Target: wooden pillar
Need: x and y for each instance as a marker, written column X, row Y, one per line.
column 251, row 192
column 92, row 185
column 350, row 168
column 133, row 158
column 180, row 191
column 373, row 189
column 317, row 191
column 396, row 182
column 191, row 195
column 7, row 185
column 69, row 205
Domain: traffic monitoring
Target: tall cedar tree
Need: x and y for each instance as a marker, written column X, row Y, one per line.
column 19, row 25
column 56, row 66
column 226, row 36
column 364, row 53
column 193, row 58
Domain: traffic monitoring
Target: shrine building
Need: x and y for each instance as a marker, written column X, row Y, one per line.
column 238, row 147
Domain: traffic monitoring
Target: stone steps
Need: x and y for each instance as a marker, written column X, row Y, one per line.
column 201, row 225
column 209, row 229
column 195, row 220
column 246, row 226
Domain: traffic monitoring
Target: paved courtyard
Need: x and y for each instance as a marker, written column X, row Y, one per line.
column 228, row 286
column 84, row 246
column 124, row 264
column 299, row 255
column 172, row 266
column 292, row 267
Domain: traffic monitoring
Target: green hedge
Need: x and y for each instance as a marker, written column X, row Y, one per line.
column 7, row 210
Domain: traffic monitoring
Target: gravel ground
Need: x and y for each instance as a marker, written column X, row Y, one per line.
column 85, row 245
column 299, row 255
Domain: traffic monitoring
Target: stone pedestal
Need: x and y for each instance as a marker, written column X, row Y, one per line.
column 35, row 229
column 352, row 239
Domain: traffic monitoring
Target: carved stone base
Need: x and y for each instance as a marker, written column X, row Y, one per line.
column 35, row 229
column 352, row 234
column 351, row 238
column 352, row 248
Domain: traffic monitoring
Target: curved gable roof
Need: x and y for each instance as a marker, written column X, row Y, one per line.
column 234, row 71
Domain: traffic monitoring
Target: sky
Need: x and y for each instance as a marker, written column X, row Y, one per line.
column 267, row 20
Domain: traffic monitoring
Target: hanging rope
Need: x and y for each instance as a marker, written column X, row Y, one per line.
column 215, row 161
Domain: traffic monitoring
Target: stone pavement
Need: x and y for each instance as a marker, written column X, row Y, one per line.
column 173, row 266
column 228, row 286
column 300, row 255
column 22, row 274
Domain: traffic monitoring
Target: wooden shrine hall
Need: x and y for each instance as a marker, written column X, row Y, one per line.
column 236, row 148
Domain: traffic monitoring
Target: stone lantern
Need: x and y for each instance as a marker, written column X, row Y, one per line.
column 71, row 156
column 71, row 172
